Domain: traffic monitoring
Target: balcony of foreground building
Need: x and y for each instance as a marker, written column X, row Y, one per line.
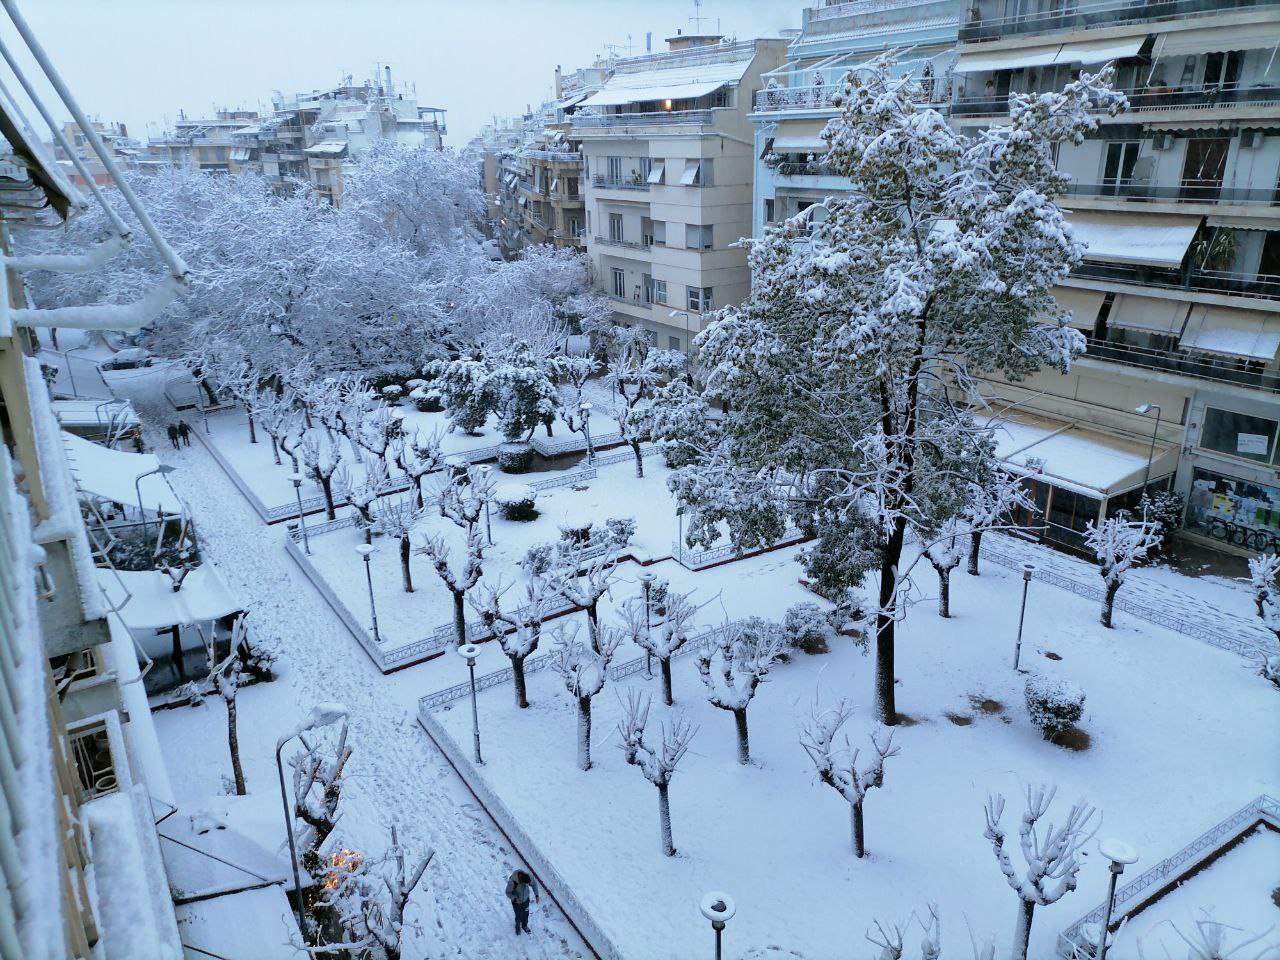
column 595, row 124
column 819, row 97
column 1258, row 286
column 605, row 182
column 983, row 24
column 553, row 156
column 1196, row 99
column 1190, row 192
column 1230, row 371
column 623, row 244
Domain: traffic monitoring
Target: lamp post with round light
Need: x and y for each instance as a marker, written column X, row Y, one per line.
column 485, row 470
column 1121, row 855
column 646, row 580
column 296, row 479
column 1151, row 453
column 163, row 469
column 585, row 410
column 719, row 908
column 469, row 652
column 366, row 552
column 1028, row 569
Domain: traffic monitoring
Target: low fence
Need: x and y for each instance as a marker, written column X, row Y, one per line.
column 1152, row 884
column 727, row 553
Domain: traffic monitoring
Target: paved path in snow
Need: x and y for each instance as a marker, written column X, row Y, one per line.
column 395, row 776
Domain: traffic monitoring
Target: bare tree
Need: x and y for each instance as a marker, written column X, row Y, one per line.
column 372, row 900
column 743, row 664
column 633, row 379
column 276, row 415
column 889, row 936
column 225, row 678
column 661, row 640
column 418, row 458
column 317, row 789
column 1264, row 578
column 989, row 505
column 837, row 764
column 518, row 631
column 362, row 496
column 584, row 668
column 398, row 519
column 1211, row 940
column 1051, row 860
column 458, row 582
column 1119, row 543
column 322, row 458
column 944, row 555
column 462, row 499
column 658, row 764
column 583, row 579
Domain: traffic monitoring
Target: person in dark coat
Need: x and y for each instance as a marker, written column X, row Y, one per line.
column 184, row 432
column 520, row 887
column 172, row 431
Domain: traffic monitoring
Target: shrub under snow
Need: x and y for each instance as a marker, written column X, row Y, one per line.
column 1055, row 705
column 392, row 392
column 807, row 627
column 515, row 457
column 516, row 501
column 575, row 530
column 426, row 399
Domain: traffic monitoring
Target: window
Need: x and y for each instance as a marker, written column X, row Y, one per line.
column 615, row 169
column 1238, row 511
column 555, row 184
column 697, row 173
column 1204, row 168
column 1117, row 169
column 1240, row 435
column 697, row 237
column 648, row 288
column 571, row 226
column 656, row 172
column 571, row 188
column 659, row 291
column 1222, row 68
column 619, row 283
column 698, row 299
column 646, row 232
column 660, row 231
column 673, row 343
column 768, row 210
column 646, row 167
column 615, row 227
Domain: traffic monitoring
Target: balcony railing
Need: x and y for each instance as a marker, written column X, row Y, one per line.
column 642, row 305
column 1258, row 285
column 819, row 96
column 629, row 244
column 1201, row 366
column 1190, row 192
column 811, row 168
column 556, row 156
column 1146, row 99
column 682, row 117
column 619, row 183
column 1098, row 14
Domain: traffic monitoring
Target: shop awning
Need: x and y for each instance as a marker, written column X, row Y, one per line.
column 685, row 83
column 1213, row 40
column 113, row 475
column 1148, row 314
column 1151, row 239
column 1083, row 304
column 1251, row 334
column 95, row 414
column 151, row 604
column 805, row 137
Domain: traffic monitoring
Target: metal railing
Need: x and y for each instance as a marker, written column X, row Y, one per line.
column 1101, row 13
column 1259, row 285
column 819, row 96
column 629, row 244
column 1187, row 192
column 1200, row 366
column 660, row 117
column 641, row 304
column 811, row 168
column 555, row 156
column 619, row 183
column 1134, row 895
column 701, row 559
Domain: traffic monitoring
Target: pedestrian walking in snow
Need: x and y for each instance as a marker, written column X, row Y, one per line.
column 172, row 431
column 184, row 432
column 137, row 439
column 520, row 887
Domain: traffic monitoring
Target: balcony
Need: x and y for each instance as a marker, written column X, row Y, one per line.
column 1214, row 96
column 603, row 182
column 810, row 168
column 628, row 244
column 1201, row 366
column 1101, row 13
column 554, row 156
column 1256, row 285
column 628, row 301
column 819, row 97
column 1188, row 192
column 657, row 118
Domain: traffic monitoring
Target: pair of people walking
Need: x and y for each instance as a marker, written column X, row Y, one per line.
column 179, row 434
column 520, row 887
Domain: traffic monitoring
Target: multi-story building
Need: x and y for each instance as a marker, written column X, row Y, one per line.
column 1178, row 202
column 204, row 144
column 668, row 158
column 114, row 137
column 794, row 106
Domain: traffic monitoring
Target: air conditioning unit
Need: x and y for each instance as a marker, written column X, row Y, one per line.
column 1162, row 141
column 1251, row 139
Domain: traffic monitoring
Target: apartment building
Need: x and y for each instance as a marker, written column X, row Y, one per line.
column 669, row 154
column 205, row 144
column 1179, row 292
column 793, row 108
column 115, row 137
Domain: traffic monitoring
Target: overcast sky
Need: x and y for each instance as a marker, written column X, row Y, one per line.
column 140, row 61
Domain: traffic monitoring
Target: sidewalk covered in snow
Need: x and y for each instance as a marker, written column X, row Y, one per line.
column 117, row 476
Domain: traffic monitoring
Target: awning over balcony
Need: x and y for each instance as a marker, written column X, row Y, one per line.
column 570, row 100
column 239, row 153
column 114, row 475
column 1083, row 304
column 1148, row 314
column 685, row 83
column 152, row 604
column 1092, row 51
column 803, row 137
column 1213, row 40
column 327, row 148
column 1100, row 51
column 1251, row 334
column 1142, row 238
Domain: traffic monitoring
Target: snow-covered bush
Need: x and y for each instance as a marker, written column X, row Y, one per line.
column 515, row 458
column 1264, row 578
column 540, row 559
column 392, row 392
column 575, row 530
column 517, row 501
column 807, row 627
column 619, row 531
column 1055, row 705
column 417, row 383
column 426, row 399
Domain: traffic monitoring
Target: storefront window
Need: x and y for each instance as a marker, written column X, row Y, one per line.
column 1238, row 511
column 1069, row 515
column 1240, row 435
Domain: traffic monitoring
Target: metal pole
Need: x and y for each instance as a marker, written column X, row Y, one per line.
column 475, row 713
column 1146, row 477
column 71, row 369
column 718, row 925
column 1116, row 869
column 293, row 848
column 302, row 519
column 488, row 523
column 648, row 656
column 373, row 609
column 1027, row 570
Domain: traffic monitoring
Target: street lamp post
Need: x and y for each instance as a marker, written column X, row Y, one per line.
column 366, row 550
column 719, row 908
column 1151, row 454
column 585, row 410
column 321, row 715
column 1027, row 570
column 296, row 479
column 646, row 580
column 469, row 652
column 485, row 470
column 71, row 367
column 164, row 468
column 1121, row 855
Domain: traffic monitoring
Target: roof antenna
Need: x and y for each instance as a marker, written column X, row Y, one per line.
column 697, row 17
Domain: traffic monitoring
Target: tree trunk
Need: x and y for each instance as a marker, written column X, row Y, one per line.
column 855, row 820
column 253, row 430
column 975, row 544
column 944, row 593
column 326, row 487
column 593, row 624
column 744, row 744
column 460, row 616
column 584, row 733
column 886, row 709
column 635, row 448
column 405, row 550
column 664, row 820
column 417, row 486
column 1022, row 931
column 665, row 664
column 547, row 424
column 204, row 384
column 178, row 663
column 233, row 742
column 1109, row 602
column 275, row 449
column 517, row 674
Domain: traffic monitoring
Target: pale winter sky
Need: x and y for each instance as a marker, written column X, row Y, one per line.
column 140, row 61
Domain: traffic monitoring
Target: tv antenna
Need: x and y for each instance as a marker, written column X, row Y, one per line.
column 697, row 17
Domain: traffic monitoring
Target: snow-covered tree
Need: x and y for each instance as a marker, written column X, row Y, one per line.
column 682, row 424
column 467, row 394
column 1264, row 578
column 398, row 519
column 1118, row 543
column 741, row 662
column 457, row 582
column 225, row 679
column 582, row 576
column 317, row 791
column 1212, row 940
column 848, row 369
column 371, row 900
column 633, row 381
column 662, row 639
column 837, row 763
column 518, row 631
column 657, row 763
column 1053, row 704
column 584, row 667
column 889, row 936
column 462, row 499
column 945, row 552
column 522, row 385
column 418, row 458
column 364, row 494
column 277, row 415
column 574, row 373
column 989, row 506
column 1051, row 860
column 321, row 458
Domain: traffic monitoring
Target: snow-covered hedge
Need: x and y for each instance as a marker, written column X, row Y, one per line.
column 515, row 457
column 426, row 399
column 808, row 627
column 575, row 529
column 517, row 501
column 1055, row 705
column 392, row 392
column 540, row 559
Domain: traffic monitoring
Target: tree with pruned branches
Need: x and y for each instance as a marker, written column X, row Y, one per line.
column 317, row 790
column 944, row 554
column 371, row 900
column 322, row 458
column 584, row 667
column 1264, row 578
column 518, row 631
column 363, row 495
column 658, row 763
column 398, row 519
column 418, row 458
column 889, row 937
column 583, row 579
column 225, row 679
column 459, row 581
column 661, row 640
column 1119, row 544
column 741, row 661
column 989, row 506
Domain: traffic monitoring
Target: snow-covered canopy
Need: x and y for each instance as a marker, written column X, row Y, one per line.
column 95, row 414
column 1236, row 333
column 113, row 475
column 1092, row 51
column 682, row 83
column 1153, row 239
column 151, row 603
